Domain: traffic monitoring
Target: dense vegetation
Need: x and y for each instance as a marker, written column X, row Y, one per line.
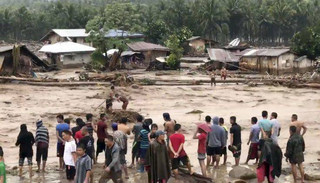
column 260, row 22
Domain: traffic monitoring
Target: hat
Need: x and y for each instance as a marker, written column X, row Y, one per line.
column 159, row 132
column 114, row 126
column 215, row 120
column 39, row 123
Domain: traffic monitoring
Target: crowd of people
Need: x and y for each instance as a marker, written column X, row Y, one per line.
column 159, row 153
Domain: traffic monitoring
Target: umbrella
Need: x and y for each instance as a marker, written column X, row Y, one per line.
column 204, row 127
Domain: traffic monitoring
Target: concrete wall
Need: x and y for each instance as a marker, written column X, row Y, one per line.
column 54, row 38
column 152, row 55
column 273, row 65
column 303, row 66
column 70, row 60
column 198, row 46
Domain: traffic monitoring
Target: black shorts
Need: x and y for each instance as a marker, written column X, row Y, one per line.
column 211, row 151
column 236, row 150
column 42, row 151
column 224, row 151
column 136, row 149
column 261, row 144
column 175, row 162
column 60, row 150
column 108, row 103
column 21, row 160
column 101, row 146
column 71, row 172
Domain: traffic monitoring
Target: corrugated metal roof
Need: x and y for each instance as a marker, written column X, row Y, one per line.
column 5, row 48
column 271, row 52
column 194, row 38
column 66, row 47
column 222, row 55
column 299, row 59
column 113, row 33
column 144, row 46
column 70, row 33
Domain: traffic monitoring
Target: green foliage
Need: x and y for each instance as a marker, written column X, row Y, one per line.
column 173, row 43
column 98, row 60
column 307, row 42
column 264, row 22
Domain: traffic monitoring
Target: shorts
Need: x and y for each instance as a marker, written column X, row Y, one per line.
column 175, row 162
column 116, row 177
column 236, row 150
column 108, row 103
column 21, row 161
column 261, row 144
column 136, row 149
column 224, row 151
column 71, row 172
column 101, row 146
column 60, row 150
column 122, row 157
column 211, row 151
column 143, row 153
column 201, row 156
column 42, row 151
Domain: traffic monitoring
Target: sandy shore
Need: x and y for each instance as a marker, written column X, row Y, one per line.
column 25, row 104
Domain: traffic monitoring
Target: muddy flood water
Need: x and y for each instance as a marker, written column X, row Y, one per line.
column 25, row 104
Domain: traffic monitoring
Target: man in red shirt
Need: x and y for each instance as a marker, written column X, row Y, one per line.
column 201, row 135
column 177, row 152
column 102, row 134
column 79, row 135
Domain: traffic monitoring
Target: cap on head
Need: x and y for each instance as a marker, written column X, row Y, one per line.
column 159, row 132
column 114, row 126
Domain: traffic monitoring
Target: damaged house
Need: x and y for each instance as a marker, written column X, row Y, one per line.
column 198, row 45
column 67, row 54
column 80, row 35
column 150, row 51
column 273, row 60
column 222, row 58
column 19, row 60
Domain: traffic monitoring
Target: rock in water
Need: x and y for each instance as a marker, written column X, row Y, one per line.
column 312, row 177
column 244, row 173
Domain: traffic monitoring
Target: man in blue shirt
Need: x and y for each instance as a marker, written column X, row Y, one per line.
column 61, row 126
column 266, row 129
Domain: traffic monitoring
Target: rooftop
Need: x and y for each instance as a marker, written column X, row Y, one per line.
column 144, row 46
column 222, row 55
column 269, row 52
column 66, row 47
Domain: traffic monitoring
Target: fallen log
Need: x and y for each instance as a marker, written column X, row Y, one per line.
column 197, row 178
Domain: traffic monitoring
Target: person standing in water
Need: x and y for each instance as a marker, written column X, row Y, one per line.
column 298, row 124
column 25, row 141
column 294, row 153
column 254, row 140
column 168, row 126
column 42, row 143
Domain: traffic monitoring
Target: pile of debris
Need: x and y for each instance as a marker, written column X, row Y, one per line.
column 157, row 65
column 117, row 79
column 116, row 116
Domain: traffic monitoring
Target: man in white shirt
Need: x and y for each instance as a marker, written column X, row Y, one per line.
column 69, row 156
column 276, row 127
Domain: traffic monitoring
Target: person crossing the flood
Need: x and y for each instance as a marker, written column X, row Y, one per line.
column 122, row 99
column 224, row 73
column 110, row 99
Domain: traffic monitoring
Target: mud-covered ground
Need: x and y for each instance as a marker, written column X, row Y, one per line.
column 25, row 104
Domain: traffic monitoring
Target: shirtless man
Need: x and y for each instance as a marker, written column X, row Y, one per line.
column 124, row 100
column 110, row 99
column 123, row 127
column 298, row 124
column 212, row 75
column 168, row 125
column 223, row 73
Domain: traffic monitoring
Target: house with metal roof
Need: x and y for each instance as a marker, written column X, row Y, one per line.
column 80, row 35
column 223, row 58
column 271, row 60
column 149, row 50
column 67, row 54
column 302, row 64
